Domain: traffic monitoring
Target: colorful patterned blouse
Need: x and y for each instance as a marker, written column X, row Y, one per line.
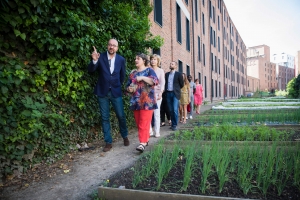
column 143, row 98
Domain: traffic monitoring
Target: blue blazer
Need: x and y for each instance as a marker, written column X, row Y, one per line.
column 106, row 80
column 177, row 83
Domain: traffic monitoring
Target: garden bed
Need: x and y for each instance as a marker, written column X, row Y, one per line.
column 253, row 154
column 266, row 166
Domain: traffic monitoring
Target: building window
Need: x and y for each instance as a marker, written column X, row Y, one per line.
column 178, row 23
column 216, row 85
column 210, row 9
column 203, row 50
column 203, row 3
column 158, row 11
column 187, row 2
column 212, row 61
column 212, row 88
column 188, row 35
column 196, row 10
column 203, row 24
column 219, row 66
column 219, row 89
column 199, row 49
column 180, row 66
column 211, row 36
column 218, row 22
column 219, row 49
column 216, row 67
column 214, row 19
column 205, row 87
column 215, row 39
column 156, row 51
column 199, row 77
column 188, row 72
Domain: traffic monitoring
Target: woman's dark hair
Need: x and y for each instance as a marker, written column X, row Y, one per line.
column 144, row 57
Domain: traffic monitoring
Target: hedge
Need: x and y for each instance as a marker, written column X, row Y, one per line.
column 46, row 98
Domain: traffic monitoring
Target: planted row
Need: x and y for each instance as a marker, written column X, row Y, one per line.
column 230, row 132
column 249, row 118
column 255, row 168
column 259, row 111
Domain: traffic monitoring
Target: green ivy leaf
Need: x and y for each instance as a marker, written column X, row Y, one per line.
column 26, row 113
column 21, row 10
column 34, row 2
column 17, row 32
column 4, row 89
column 23, row 36
column 25, row 88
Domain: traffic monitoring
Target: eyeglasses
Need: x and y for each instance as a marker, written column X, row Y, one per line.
column 112, row 45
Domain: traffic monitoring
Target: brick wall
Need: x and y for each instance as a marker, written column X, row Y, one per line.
column 172, row 50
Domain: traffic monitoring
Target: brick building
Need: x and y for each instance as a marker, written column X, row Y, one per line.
column 285, row 74
column 260, row 68
column 297, row 63
column 264, row 75
column 200, row 36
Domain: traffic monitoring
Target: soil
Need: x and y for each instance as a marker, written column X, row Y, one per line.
column 173, row 184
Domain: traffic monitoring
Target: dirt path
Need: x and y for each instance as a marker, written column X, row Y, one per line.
column 87, row 171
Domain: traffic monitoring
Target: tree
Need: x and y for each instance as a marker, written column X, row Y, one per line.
column 293, row 87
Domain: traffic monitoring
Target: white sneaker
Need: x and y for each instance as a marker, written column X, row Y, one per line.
column 191, row 117
column 151, row 134
column 157, row 135
column 186, row 118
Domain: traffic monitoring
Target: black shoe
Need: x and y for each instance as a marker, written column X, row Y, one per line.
column 174, row 128
column 126, row 141
column 107, row 147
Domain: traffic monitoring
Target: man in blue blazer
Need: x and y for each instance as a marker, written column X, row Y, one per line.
column 111, row 70
column 173, row 85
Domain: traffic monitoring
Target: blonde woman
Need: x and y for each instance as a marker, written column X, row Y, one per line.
column 184, row 99
column 158, row 91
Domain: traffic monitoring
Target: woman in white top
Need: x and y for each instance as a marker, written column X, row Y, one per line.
column 158, row 90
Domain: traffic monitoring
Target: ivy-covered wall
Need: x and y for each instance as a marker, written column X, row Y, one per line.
column 46, row 95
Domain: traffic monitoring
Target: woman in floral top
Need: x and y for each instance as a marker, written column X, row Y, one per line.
column 141, row 84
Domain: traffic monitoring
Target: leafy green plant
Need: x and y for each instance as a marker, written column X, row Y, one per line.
column 189, row 153
column 46, row 94
column 206, row 168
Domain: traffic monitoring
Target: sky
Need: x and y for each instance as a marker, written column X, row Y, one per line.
column 275, row 23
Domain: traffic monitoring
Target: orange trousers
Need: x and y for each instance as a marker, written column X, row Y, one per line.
column 143, row 121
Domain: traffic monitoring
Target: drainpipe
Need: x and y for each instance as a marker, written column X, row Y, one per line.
column 171, row 30
column 193, row 55
column 209, row 24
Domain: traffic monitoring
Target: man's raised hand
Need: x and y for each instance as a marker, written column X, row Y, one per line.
column 95, row 54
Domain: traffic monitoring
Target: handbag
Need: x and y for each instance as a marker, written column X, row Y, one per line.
column 189, row 107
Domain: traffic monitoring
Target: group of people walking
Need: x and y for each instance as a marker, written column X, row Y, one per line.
column 154, row 94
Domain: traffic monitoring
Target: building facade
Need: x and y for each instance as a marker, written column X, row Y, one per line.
column 284, row 59
column 201, row 37
column 284, row 75
column 297, row 64
column 260, row 69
